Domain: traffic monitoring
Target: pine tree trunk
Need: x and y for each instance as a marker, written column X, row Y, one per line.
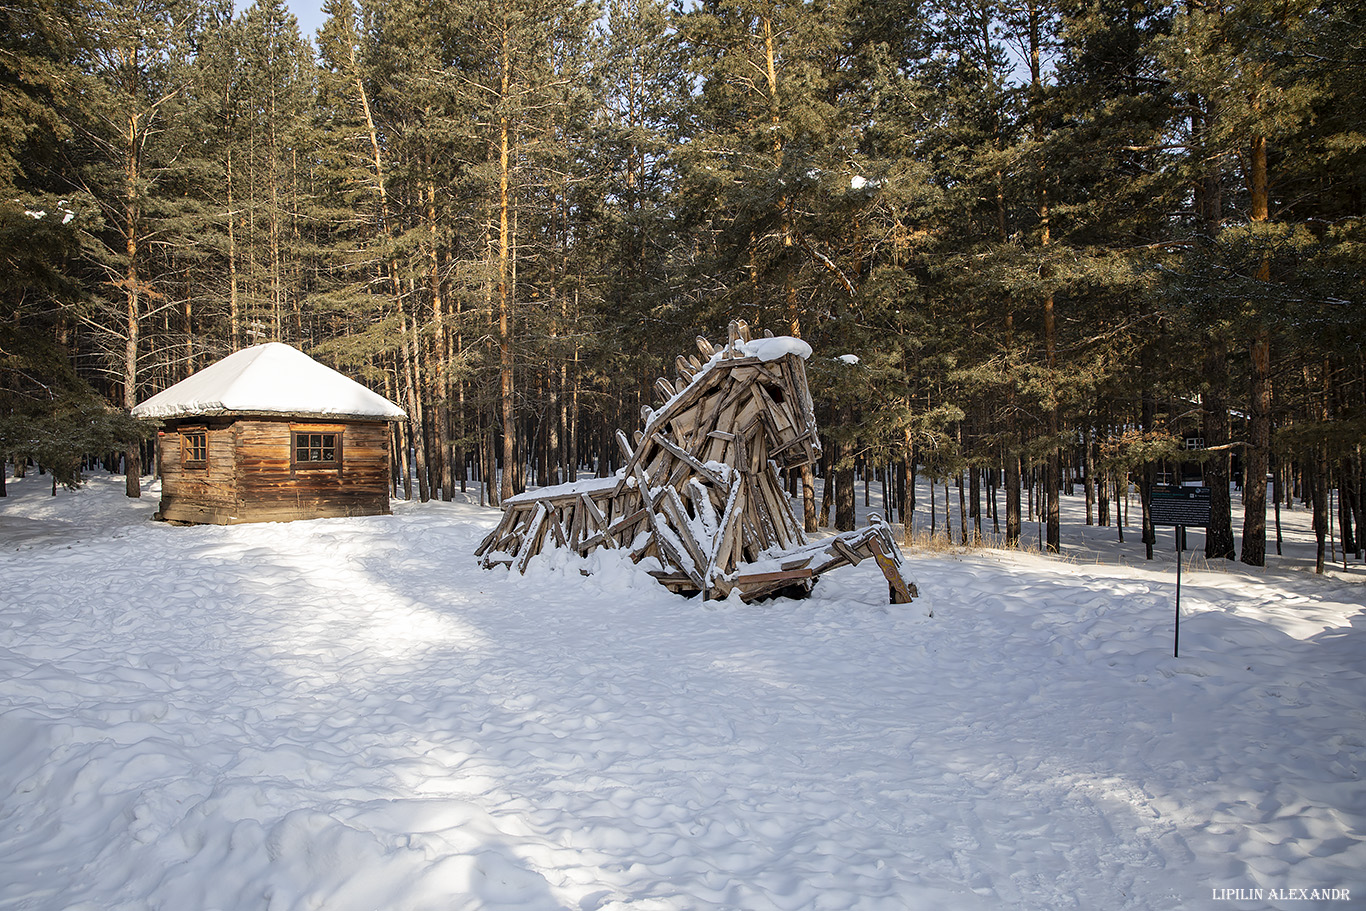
column 828, row 493
column 439, row 357
column 1351, row 494
column 975, row 503
column 908, row 512
column 1012, row 485
column 234, row 306
column 133, row 302
column 993, row 485
column 459, row 455
column 1121, row 488
column 412, row 386
column 962, row 510
column 1103, row 500
column 1012, row 458
column 844, row 491
column 1259, row 417
column 407, row 367
column 572, row 443
column 948, row 513
column 1219, row 534
column 1316, row 468
column 903, row 484
column 505, row 362
column 1053, row 461
column 934, row 511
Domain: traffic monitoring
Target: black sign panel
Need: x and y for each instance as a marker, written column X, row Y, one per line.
column 1188, row 506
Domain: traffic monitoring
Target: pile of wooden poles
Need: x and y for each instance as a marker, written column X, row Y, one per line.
column 701, row 491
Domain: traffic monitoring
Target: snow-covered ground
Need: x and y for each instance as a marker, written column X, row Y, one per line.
column 349, row 715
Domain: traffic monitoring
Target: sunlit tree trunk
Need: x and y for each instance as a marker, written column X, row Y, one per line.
column 1259, row 416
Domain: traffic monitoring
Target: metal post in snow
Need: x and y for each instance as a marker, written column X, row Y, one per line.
column 1176, row 635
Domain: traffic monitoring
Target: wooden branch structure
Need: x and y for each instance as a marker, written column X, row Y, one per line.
column 701, row 491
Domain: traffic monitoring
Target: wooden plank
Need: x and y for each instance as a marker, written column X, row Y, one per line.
column 730, row 397
column 640, row 553
column 660, row 463
column 796, row 530
column 553, row 520
column 684, row 423
column 782, row 422
column 835, row 562
column 674, row 555
column 672, row 504
column 593, row 519
column 685, row 399
column 789, row 575
column 663, row 547
column 775, row 505
column 731, row 516
column 748, row 413
column 793, row 443
column 682, row 454
column 625, row 446
column 719, row 451
column 900, row 592
column 666, row 577
column 846, row 551
column 768, row 533
column 531, row 544
column 499, row 531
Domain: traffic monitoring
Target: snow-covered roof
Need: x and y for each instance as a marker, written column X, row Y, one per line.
column 269, row 379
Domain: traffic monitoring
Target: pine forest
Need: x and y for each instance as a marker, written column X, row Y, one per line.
column 1041, row 248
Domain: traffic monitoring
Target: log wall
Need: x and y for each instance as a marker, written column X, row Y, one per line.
column 250, row 475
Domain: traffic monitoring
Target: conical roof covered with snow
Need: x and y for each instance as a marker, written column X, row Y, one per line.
column 269, row 379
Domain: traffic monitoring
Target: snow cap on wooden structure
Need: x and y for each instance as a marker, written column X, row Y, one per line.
column 269, row 379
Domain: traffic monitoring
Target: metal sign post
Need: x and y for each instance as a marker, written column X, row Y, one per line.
column 1179, row 507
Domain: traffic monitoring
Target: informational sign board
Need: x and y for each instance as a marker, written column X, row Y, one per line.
column 1182, row 506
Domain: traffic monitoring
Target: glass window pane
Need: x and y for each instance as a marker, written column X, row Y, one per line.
column 316, row 448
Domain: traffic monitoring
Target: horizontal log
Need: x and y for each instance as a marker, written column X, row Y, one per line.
column 787, row 575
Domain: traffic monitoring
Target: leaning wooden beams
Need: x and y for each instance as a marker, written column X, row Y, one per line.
column 849, row 548
column 700, row 493
column 901, row 591
column 682, row 454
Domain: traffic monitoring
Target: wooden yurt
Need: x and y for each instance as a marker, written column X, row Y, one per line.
column 270, row 435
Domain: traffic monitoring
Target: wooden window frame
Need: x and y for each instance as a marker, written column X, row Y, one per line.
column 295, row 465
column 187, row 448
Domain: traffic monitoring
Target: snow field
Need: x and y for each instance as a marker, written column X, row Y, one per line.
column 349, row 714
